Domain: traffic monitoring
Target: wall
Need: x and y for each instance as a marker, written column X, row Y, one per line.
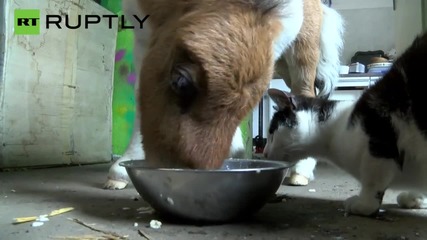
column 424, row 14
column 2, row 42
column 56, row 100
column 369, row 26
column 408, row 22
column 375, row 25
column 124, row 80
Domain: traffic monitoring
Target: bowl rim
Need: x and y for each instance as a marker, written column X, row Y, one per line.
column 279, row 165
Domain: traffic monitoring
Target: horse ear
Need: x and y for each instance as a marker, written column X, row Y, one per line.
column 282, row 99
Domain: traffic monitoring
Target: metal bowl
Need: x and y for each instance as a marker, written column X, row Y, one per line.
column 238, row 189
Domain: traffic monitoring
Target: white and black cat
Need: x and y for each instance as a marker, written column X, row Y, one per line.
column 381, row 139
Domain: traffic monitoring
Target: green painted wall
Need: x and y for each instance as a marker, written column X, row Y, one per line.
column 124, row 81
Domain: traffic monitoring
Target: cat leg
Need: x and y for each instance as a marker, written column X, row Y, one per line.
column 117, row 175
column 414, row 200
column 302, row 172
column 302, row 59
column 375, row 176
column 301, row 75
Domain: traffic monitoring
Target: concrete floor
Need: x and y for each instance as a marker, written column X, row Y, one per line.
column 306, row 214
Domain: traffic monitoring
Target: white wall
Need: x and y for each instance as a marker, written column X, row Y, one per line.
column 56, row 100
column 361, row 4
column 369, row 26
column 2, row 41
column 374, row 25
column 408, row 23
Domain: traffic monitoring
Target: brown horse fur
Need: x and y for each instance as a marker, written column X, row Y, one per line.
column 230, row 77
column 224, row 48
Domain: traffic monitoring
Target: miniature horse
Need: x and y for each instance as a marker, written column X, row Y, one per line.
column 203, row 65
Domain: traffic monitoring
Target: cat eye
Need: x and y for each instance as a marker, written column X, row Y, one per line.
column 322, row 116
column 290, row 122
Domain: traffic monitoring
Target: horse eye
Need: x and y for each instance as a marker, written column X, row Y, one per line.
column 182, row 84
column 182, row 81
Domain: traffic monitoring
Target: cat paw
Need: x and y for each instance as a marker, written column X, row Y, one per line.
column 302, row 172
column 115, row 184
column 412, row 200
column 356, row 206
column 297, row 180
column 117, row 176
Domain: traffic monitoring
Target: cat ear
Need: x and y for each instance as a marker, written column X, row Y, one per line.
column 293, row 100
column 281, row 98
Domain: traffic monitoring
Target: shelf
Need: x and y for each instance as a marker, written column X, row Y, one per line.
column 358, row 80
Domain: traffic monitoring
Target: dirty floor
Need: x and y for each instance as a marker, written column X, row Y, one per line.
column 311, row 212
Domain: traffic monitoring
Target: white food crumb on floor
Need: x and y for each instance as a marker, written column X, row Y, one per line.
column 37, row 224
column 42, row 218
column 155, row 224
column 312, row 190
column 135, row 224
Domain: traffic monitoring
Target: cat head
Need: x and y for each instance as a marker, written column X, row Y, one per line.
column 295, row 125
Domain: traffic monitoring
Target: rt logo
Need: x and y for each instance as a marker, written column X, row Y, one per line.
column 27, row 21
